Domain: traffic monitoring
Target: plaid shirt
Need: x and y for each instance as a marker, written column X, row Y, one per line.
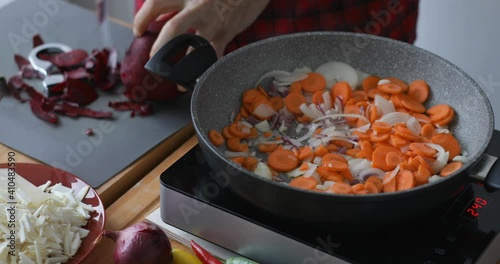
column 395, row 19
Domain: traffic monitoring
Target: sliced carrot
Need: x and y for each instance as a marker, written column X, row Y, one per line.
column 398, row 141
column 248, row 98
column 304, row 167
column 423, row 162
column 370, row 187
column 448, row 142
column 405, row 180
column 332, row 147
column 317, row 97
column 342, row 90
column 306, row 153
column 379, row 137
column 376, row 181
column 254, row 133
column 238, row 160
column 320, row 151
column 276, row 103
column 370, row 82
column 258, row 100
column 226, row 134
column 403, row 131
column 382, row 127
column 390, row 88
column 250, row 163
column 234, row 144
column 239, row 130
column 267, row 134
column 359, row 189
column 412, row 105
column 333, row 156
column 419, row 91
column 392, row 159
column 353, row 152
column 296, row 87
column 372, row 92
column 439, row 112
column 379, row 157
column 328, row 175
column 342, row 143
column 351, row 109
column 267, row 148
column 306, row 183
column 372, row 115
column 360, row 97
column 396, row 100
column 422, row 175
column 399, row 82
column 282, row 160
column 389, row 186
column 244, row 113
column 421, row 118
column 293, row 101
column 406, row 166
column 363, row 136
column 314, row 82
column 335, row 165
column 263, row 92
column 422, row 149
column 447, row 120
column 347, row 174
column 341, row 188
column 427, row 131
column 450, row 168
column 215, row 137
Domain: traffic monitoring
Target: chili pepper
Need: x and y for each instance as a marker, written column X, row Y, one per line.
column 239, row 260
column 203, row 255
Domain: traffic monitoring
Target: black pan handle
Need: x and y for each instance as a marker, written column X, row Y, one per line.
column 185, row 71
column 492, row 180
column 488, row 170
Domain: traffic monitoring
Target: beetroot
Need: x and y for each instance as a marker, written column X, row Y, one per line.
column 37, row 40
column 140, row 84
column 71, row 110
column 69, row 59
column 142, row 109
column 80, row 92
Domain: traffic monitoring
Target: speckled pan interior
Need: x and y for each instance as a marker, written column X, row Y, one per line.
column 218, row 92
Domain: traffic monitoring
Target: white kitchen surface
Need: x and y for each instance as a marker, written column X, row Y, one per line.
column 5, row 2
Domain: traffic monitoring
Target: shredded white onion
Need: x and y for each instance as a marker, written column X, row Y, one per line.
column 327, row 139
column 391, row 176
column 315, row 110
column 245, row 123
column 327, row 99
column 296, row 173
column 309, row 133
column 293, row 77
column 272, row 74
column 307, row 111
column 383, row 81
column 232, row 154
column 371, row 171
column 395, row 118
column 442, row 131
column 364, row 128
column 441, row 157
column 385, row 106
column 435, row 178
column 264, row 110
column 316, row 143
column 299, row 128
column 263, row 126
column 321, row 187
column 283, row 127
column 311, row 170
column 461, row 159
column 328, row 183
column 317, row 160
column 263, row 171
column 413, row 125
column 362, row 165
column 340, row 71
column 341, row 115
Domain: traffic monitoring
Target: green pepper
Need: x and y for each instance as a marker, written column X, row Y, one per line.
column 240, row 260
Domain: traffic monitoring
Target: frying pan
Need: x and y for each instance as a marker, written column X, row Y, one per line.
column 217, row 94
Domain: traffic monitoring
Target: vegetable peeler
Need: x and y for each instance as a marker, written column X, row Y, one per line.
column 45, row 66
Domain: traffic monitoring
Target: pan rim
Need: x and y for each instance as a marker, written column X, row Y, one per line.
column 394, row 195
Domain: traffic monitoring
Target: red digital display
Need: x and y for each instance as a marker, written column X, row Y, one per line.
column 475, row 207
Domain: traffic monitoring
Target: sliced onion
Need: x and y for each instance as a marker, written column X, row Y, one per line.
column 339, row 106
column 321, row 187
column 327, row 139
column 395, row 118
column 363, row 128
column 296, row 173
column 273, row 142
column 354, row 162
column 327, row 99
column 440, row 150
column 264, row 111
column 435, row 178
column 283, row 127
column 316, row 143
column 232, row 154
column 330, row 84
column 341, row 115
column 311, row 170
column 317, row 160
column 304, row 69
column 309, row 133
column 369, row 172
column 263, row 126
column 315, row 110
column 307, row 111
column 391, row 176
column 464, row 153
column 442, row 131
column 328, row 183
column 361, row 75
column 384, row 105
column 246, row 130
column 441, row 157
column 334, row 133
column 383, row 81
column 273, row 74
column 246, row 124
column 263, row 171
column 335, row 70
column 299, row 128
column 292, row 141
column 461, row 158
column 294, row 77
column 362, row 165
column 413, row 125
column 328, row 130
column 405, row 148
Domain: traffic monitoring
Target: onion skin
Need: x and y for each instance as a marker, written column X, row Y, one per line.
column 143, row 243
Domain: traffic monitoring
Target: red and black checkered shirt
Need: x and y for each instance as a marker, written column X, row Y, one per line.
column 395, row 19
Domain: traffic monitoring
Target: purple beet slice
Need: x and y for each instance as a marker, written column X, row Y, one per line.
column 69, row 59
column 37, row 40
column 76, row 111
column 80, row 92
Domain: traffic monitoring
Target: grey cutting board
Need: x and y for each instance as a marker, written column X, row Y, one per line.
column 117, row 143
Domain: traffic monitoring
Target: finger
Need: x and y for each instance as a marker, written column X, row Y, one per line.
column 220, row 44
column 180, row 23
column 150, row 11
column 181, row 89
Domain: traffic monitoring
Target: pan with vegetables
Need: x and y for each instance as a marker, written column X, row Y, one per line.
column 334, row 127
